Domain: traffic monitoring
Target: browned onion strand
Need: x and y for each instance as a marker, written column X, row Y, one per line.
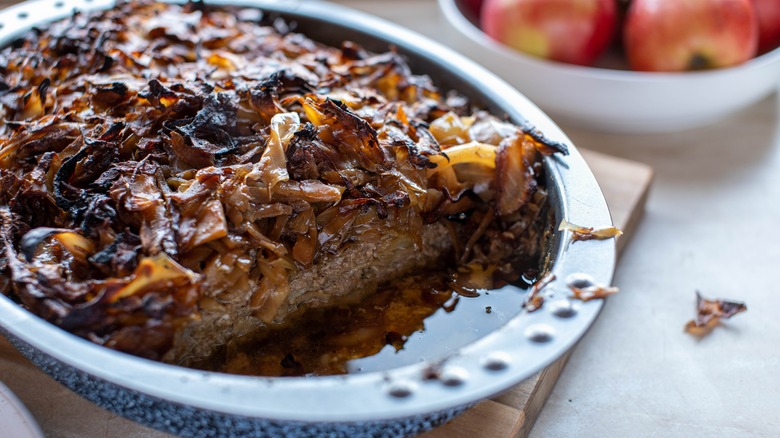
column 164, row 163
column 710, row 312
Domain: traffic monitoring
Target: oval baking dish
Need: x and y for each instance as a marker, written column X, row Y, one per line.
column 396, row 401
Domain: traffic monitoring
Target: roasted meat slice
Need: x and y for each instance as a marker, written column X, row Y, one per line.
column 343, row 278
column 177, row 180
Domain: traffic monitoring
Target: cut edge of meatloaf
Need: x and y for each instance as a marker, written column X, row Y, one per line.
column 357, row 270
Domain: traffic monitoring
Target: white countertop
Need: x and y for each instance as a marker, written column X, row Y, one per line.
column 709, row 226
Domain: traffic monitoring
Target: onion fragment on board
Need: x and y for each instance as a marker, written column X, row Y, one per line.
column 709, row 314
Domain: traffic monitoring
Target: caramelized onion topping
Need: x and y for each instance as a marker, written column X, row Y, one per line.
column 162, row 162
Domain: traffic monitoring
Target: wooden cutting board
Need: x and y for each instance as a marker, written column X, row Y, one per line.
column 62, row 413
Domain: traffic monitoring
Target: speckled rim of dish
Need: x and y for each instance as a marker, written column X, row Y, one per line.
column 454, row 15
column 505, row 357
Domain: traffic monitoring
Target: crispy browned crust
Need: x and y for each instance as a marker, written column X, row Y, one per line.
column 175, row 177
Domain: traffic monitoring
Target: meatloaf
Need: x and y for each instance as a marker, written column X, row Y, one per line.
column 179, row 177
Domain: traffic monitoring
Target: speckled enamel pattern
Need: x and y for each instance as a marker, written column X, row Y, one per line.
column 188, row 421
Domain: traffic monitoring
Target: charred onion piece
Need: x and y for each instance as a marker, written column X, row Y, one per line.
column 79, row 246
column 710, row 312
column 589, row 233
column 593, row 292
column 472, row 152
column 534, row 300
column 159, row 272
column 273, row 161
column 514, row 174
column 543, row 144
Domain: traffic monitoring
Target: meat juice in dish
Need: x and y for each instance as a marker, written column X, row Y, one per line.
column 192, row 185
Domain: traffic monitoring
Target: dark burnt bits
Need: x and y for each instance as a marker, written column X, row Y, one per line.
column 147, row 150
column 545, row 145
column 120, row 257
column 108, row 95
column 352, row 138
column 159, row 95
column 209, row 132
column 264, row 97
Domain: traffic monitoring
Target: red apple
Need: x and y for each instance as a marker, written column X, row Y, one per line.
column 471, row 7
column 573, row 31
column 768, row 13
column 679, row 35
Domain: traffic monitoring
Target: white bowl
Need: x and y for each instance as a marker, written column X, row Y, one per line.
column 618, row 100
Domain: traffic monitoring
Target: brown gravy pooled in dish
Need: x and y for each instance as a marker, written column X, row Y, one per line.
column 189, row 185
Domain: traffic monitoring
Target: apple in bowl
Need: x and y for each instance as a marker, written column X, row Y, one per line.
column 681, row 35
column 473, row 7
column 609, row 97
column 571, row 31
column 768, row 13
